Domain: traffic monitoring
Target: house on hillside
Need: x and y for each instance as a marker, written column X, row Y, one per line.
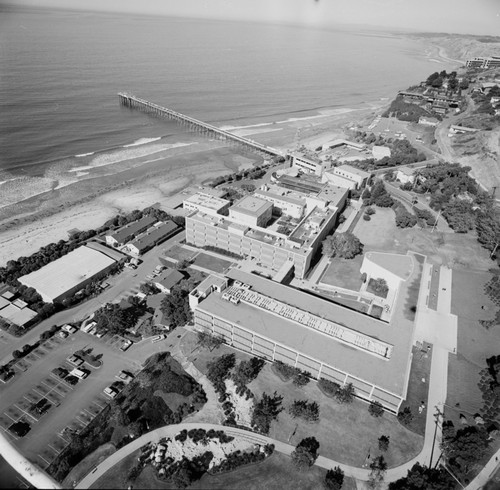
column 428, row 121
column 405, row 175
column 167, row 280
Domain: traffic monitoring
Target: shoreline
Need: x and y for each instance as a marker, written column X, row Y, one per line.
column 46, row 217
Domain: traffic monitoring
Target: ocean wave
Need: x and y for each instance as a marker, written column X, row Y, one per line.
column 84, row 154
column 142, row 141
column 19, row 189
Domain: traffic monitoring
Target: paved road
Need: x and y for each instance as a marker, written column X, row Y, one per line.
column 122, row 285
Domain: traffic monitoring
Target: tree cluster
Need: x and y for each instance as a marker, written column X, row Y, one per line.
column 344, row 245
column 405, row 111
column 219, row 370
column 175, row 307
column 305, row 410
column 377, row 196
column 287, row 372
column 405, row 416
column 343, row 394
column 114, row 319
column 209, row 340
column 404, row 219
column 247, row 371
column 375, row 409
column 265, row 411
column 423, row 478
column 305, row 453
column 378, row 287
column 334, row 479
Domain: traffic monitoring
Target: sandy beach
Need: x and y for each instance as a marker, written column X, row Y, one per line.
column 110, row 187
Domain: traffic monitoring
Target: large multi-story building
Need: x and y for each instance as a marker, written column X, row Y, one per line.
column 327, row 340
column 483, row 62
column 346, row 176
column 287, row 241
column 207, row 203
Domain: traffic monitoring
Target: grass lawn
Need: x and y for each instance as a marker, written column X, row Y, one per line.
column 85, row 466
column 371, row 289
column 344, row 273
column 275, row 473
column 418, row 390
column 475, row 343
column 346, row 432
column 210, row 262
column 178, row 252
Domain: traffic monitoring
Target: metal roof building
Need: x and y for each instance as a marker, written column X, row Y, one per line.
column 67, row 274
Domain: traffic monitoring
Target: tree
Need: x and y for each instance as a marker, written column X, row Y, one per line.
column 405, row 416
column 344, row 245
column 376, row 409
column 175, row 307
column 345, row 394
column 17, row 354
column 379, row 287
column 247, row 371
column 209, row 340
column 378, row 468
column 220, row 369
column 266, row 410
column 334, row 479
column 300, row 379
column 305, row 410
column 424, row 478
column 383, row 443
column 305, row 453
column 405, row 219
column 113, row 318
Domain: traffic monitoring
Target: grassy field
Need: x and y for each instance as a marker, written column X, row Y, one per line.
column 418, row 390
column 276, row 473
column 210, row 262
column 178, row 252
column 86, row 465
column 457, row 250
column 346, row 432
column 344, row 273
column 475, row 343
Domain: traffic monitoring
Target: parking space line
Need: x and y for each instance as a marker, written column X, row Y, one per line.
column 14, row 420
column 60, row 435
column 40, row 456
column 54, row 449
column 36, row 391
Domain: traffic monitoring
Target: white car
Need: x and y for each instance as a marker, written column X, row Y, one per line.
column 69, row 328
column 126, row 345
column 111, row 392
column 158, row 338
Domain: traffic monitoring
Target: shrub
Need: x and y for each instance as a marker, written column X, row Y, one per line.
column 328, row 387
column 376, row 409
column 366, row 217
column 405, row 416
column 301, row 379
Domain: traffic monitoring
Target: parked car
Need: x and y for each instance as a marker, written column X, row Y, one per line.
column 100, row 334
column 75, row 360
column 126, row 344
column 72, row 380
column 110, row 391
column 20, row 428
column 89, row 327
column 80, row 373
column 125, row 377
column 69, row 328
column 158, row 338
column 60, row 372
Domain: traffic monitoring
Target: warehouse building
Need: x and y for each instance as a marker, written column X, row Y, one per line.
column 153, row 236
column 68, row 274
column 327, row 340
column 126, row 233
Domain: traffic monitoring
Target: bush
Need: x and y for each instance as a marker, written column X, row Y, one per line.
column 366, row 217
column 405, row 416
column 376, row 409
column 301, row 379
column 369, row 210
column 305, row 410
column 328, row 387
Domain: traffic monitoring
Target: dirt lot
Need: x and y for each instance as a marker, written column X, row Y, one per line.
column 458, row 251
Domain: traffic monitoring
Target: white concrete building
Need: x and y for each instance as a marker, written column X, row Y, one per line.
column 206, row 203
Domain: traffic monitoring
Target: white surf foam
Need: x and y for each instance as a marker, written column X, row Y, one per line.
column 142, row 141
column 84, row 154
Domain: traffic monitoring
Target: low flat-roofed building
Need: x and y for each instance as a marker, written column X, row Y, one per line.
column 308, row 165
column 252, row 211
column 8, row 295
column 380, row 152
column 206, row 203
column 68, row 274
column 406, row 174
column 346, row 176
column 154, row 236
column 128, row 232
column 167, row 280
column 428, row 121
column 341, row 142
column 329, row 341
column 19, row 316
column 4, row 302
column 454, row 129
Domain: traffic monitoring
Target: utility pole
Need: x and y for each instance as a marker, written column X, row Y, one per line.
column 494, row 249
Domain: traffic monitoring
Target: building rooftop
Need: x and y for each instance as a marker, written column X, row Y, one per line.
column 388, row 373
column 110, row 252
column 67, row 272
column 19, row 316
column 4, row 302
column 333, row 194
column 169, row 278
column 123, row 233
column 283, row 197
column 150, row 237
column 207, row 200
column 253, row 206
column 354, row 170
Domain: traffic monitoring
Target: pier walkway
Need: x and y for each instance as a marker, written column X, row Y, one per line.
column 134, row 102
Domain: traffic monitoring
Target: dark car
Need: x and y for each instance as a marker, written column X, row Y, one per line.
column 60, row 372
column 20, row 428
column 72, row 380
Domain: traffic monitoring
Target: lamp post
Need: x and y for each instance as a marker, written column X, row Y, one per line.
column 436, row 416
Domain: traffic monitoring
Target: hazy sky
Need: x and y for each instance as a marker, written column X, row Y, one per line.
column 461, row 16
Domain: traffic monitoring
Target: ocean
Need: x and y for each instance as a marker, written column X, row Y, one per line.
column 61, row 71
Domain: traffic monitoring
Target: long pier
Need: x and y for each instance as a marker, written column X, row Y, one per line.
column 132, row 101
